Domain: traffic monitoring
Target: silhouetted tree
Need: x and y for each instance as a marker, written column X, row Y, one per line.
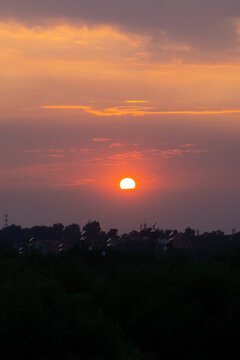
column 72, row 233
column 57, row 230
column 94, row 235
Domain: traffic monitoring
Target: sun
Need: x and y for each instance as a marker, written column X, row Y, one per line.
column 127, row 184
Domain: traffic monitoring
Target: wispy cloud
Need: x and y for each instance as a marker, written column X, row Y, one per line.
column 44, row 151
column 58, row 153
column 35, row 151
column 128, row 155
column 85, row 150
column 140, row 110
column 56, row 156
column 158, row 153
column 187, row 145
column 129, row 152
column 116, row 145
column 136, row 101
column 101, row 139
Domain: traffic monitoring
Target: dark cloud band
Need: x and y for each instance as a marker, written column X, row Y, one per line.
column 207, row 24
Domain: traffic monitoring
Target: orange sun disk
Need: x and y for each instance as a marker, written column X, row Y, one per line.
column 127, row 184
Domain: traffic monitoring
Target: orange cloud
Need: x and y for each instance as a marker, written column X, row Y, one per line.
column 100, row 139
column 56, row 156
column 136, row 101
column 140, row 111
column 85, row 150
column 157, row 153
column 127, row 155
column 116, row 145
column 60, row 56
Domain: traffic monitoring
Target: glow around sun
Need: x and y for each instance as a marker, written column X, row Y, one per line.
column 127, row 184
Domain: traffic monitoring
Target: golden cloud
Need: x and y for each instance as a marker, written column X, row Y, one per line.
column 139, row 111
column 100, row 139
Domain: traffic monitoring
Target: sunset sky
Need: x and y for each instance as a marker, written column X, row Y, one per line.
column 95, row 91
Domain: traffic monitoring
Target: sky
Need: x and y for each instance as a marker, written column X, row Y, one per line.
column 95, row 91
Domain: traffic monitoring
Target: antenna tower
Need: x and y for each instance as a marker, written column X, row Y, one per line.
column 6, row 220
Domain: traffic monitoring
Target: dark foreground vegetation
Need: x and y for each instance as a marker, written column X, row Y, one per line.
column 82, row 305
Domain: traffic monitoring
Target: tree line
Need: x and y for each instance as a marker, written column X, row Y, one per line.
column 146, row 240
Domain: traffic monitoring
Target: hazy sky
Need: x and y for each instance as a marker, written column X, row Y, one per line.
column 94, row 91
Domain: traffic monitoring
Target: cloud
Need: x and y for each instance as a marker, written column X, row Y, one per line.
column 56, row 156
column 101, row 139
column 35, row 151
column 140, row 110
column 59, row 153
column 182, row 149
column 158, row 153
column 127, row 155
column 44, row 151
column 187, row 145
column 46, row 175
column 85, row 150
column 112, row 111
column 209, row 24
column 73, row 150
column 136, row 101
column 116, row 145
